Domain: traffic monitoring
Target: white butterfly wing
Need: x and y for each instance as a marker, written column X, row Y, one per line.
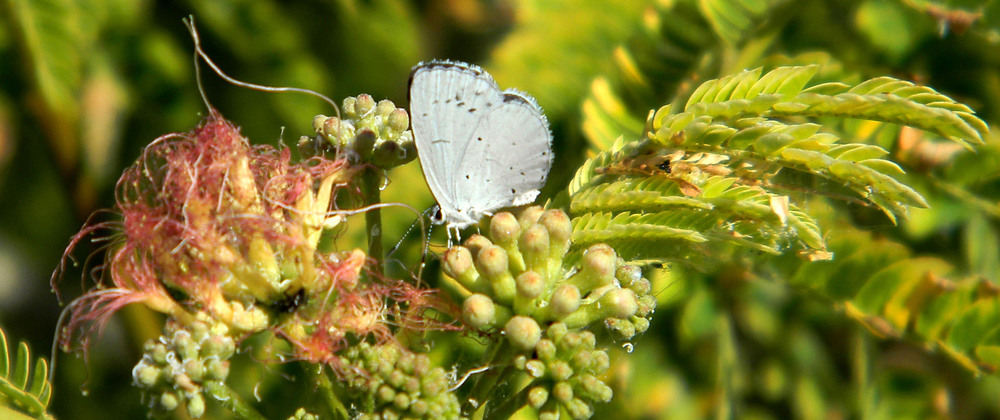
column 515, row 156
column 481, row 149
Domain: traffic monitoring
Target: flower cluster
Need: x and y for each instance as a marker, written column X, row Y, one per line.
column 175, row 368
column 397, row 383
column 217, row 232
column 520, row 280
column 565, row 373
column 377, row 133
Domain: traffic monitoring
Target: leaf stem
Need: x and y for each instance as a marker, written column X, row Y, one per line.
column 231, row 400
column 371, row 180
column 325, row 387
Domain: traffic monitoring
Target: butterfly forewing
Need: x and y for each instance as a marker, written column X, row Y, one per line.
column 516, row 141
column 480, row 149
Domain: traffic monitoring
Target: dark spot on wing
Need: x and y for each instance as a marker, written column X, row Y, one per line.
column 513, row 191
column 467, row 177
column 447, row 101
column 479, row 138
column 522, row 173
column 461, row 103
column 471, row 110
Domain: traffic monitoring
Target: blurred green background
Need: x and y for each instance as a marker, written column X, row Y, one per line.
column 86, row 84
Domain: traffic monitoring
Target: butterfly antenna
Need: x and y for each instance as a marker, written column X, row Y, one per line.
column 189, row 22
column 406, row 234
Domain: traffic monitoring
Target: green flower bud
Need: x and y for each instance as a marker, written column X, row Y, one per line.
column 581, row 359
column 560, row 230
column 349, row 107
column 529, row 216
column 434, row 382
column 199, row 331
column 492, row 264
column 399, row 120
column 589, row 340
column 619, row 303
column 384, row 108
column 534, row 247
column 578, row 409
column 641, row 325
column 385, row 394
column 364, row 104
column 597, row 268
column 560, row 370
column 219, row 345
column 546, row 350
column 169, row 401
column 194, row 369
column 185, row 346
column 557, row 331
column 402, row 401
column 159, row 353
column 616, row 303
column 479, row 311
column 504, row 228
column 523, row 332
column 622, row 327
column 412, row 386
column 457, row 264
column 594, row 389
column 405, row 362
column 535, row 368
column 628, row 274
column 216, row 369
column 476, row 243
column 419, row 407
column 421, row 365
column 364, row 142
column 563, row 392
column 145, row 374
column 505, row 232
column 530, row 285
column 537, row 397
column 196, row 406
column 520, row 362
column 564, row 301
column 600, row 361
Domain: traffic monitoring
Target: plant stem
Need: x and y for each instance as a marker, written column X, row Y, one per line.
column 325, row 387
column 488, row 382
column 371, row 180
column 510, row 405
column 231, row 400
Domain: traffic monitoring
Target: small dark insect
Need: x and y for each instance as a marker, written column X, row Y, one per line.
column 291, row 302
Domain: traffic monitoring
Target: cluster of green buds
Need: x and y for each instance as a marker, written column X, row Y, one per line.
column 518, row 279
column 397, row 383
column 565, row 373
column 376, row 133
column 176, row 367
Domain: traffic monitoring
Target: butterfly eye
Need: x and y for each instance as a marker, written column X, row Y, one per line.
column 438, row 216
